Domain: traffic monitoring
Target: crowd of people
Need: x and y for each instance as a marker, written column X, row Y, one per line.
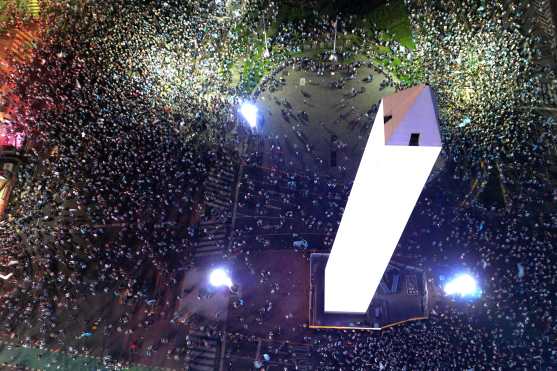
column 113, row 175
column 488, row 47
column 129, row 106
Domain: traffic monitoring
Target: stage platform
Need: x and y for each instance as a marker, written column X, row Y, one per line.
column 402, row 296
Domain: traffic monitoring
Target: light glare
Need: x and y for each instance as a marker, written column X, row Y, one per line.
column 463, row 285
column 249, row 112
column 219, row 277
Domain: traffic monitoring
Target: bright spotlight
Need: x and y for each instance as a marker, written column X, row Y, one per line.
column 462, row 285
column 219, row 277
column 249, row 112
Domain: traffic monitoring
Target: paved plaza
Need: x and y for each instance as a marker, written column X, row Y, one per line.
column 344, row 113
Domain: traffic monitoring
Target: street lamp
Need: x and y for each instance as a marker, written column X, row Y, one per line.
column 249, row 113
column 333, row 57
column 266, row 53
column 463, row 285
column 219, row 278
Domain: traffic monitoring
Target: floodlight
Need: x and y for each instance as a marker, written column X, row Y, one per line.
column 463, row 285
column 249, row 112
column 219, row 277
